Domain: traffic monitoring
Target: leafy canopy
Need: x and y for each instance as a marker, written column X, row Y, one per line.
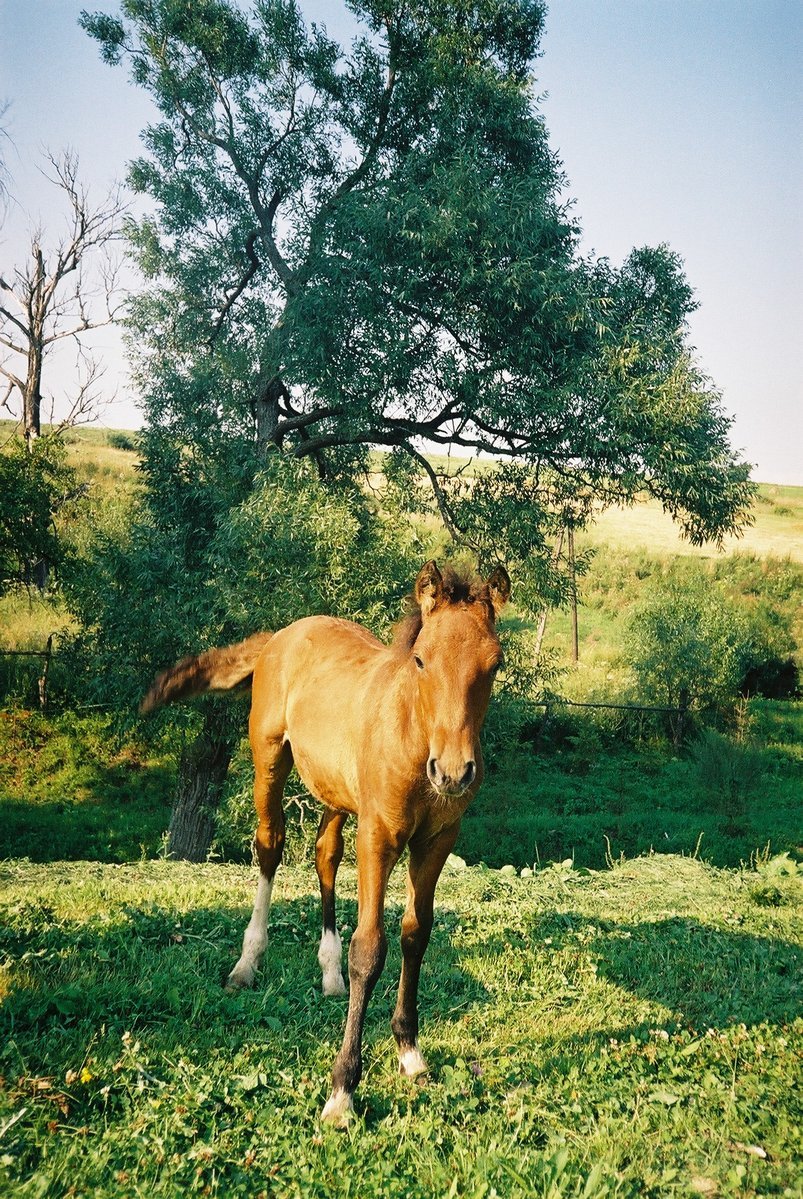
column 36, row 485
column 365, row 245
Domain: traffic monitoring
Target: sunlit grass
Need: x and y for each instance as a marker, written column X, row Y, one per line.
column 623, row 1033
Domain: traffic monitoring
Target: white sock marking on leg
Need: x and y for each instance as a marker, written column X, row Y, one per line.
column 330, row 954
column 337, row 1109
column 256, row 937
column 411, row 1062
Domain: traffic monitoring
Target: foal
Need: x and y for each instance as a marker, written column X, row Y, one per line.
column 389, row 734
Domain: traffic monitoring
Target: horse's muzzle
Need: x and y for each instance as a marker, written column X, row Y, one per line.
column 448, row 784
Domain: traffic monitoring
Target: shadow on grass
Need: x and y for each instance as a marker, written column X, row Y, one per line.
column 71, row 788
column 114, row 829
column 159, row 973
column 705, row 976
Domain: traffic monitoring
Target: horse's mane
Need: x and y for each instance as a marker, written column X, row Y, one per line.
column 459, row 587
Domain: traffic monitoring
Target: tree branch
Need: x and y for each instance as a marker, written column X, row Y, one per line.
column 233, row 296
column 454, row 530
column 13, row 379
column 355, row 177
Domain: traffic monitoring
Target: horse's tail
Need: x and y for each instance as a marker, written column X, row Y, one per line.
column 216, row 670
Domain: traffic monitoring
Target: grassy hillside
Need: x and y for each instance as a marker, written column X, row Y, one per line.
column 625, row 1033
column 105, row 462
column 777, row 528
column 777, row 522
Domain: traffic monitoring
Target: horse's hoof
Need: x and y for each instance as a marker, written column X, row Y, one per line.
column 411, row 1063
column 239, row 980
column 338, row 1110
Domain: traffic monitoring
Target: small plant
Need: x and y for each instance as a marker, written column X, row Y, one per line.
column 728, row 770
column 780, row 881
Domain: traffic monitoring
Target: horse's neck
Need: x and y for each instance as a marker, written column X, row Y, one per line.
column 397, row 709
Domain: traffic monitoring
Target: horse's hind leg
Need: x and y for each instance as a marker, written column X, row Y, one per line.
column 328, row 856
column 272, row 764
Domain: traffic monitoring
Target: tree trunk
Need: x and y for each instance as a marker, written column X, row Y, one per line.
column 32, row 395
column 201, row 774
column 266, row 411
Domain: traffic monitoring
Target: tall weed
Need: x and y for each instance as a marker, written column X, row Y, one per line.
column 729, row 771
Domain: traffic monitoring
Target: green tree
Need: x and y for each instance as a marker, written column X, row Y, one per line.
column 688, row 644
column 36, row 485
column 361, row 247
column 373, row 240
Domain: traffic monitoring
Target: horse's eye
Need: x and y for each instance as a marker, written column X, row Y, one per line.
column 418, row 662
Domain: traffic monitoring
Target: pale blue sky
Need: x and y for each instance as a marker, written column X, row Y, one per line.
column 676, row 120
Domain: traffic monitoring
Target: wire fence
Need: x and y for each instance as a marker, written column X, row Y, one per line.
column 42, row 680
column 48, row 654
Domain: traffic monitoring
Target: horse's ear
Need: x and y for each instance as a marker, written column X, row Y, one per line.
column 499, row 588
column 428, row 587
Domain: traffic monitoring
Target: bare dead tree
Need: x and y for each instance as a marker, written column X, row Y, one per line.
column 4, row 172
column 60, row 294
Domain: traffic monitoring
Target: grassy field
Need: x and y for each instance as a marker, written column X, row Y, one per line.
column 631, row 1032
column 777, row 528
column 621, row 1023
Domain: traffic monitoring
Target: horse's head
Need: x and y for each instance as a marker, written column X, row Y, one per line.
column 455, row 657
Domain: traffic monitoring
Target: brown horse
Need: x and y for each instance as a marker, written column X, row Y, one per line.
column 389, row 734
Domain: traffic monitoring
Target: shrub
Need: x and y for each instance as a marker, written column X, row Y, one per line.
column 728, row 771
column 691, row 647
column 120, row 440
column 34, row 487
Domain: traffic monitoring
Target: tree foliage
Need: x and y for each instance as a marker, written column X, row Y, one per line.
column 366, row 246
column 206, row 561
column 692, row 645
column 35, row 486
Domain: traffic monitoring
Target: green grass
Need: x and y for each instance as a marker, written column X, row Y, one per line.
column 631, row 1032
column 70, row 788
column 579, row 795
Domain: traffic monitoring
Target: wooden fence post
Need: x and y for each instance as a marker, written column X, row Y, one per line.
column 573, row 598
column 45, row 672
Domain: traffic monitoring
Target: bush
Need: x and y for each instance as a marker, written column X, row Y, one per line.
column 691, row 646
column 35, row 485
column 120, row 440
column 728, row 771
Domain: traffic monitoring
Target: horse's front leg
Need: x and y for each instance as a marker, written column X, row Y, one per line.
column 427, row 857
column 377, row 854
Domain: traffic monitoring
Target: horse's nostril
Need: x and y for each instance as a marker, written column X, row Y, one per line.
column 468, row 774
column 432, row 770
